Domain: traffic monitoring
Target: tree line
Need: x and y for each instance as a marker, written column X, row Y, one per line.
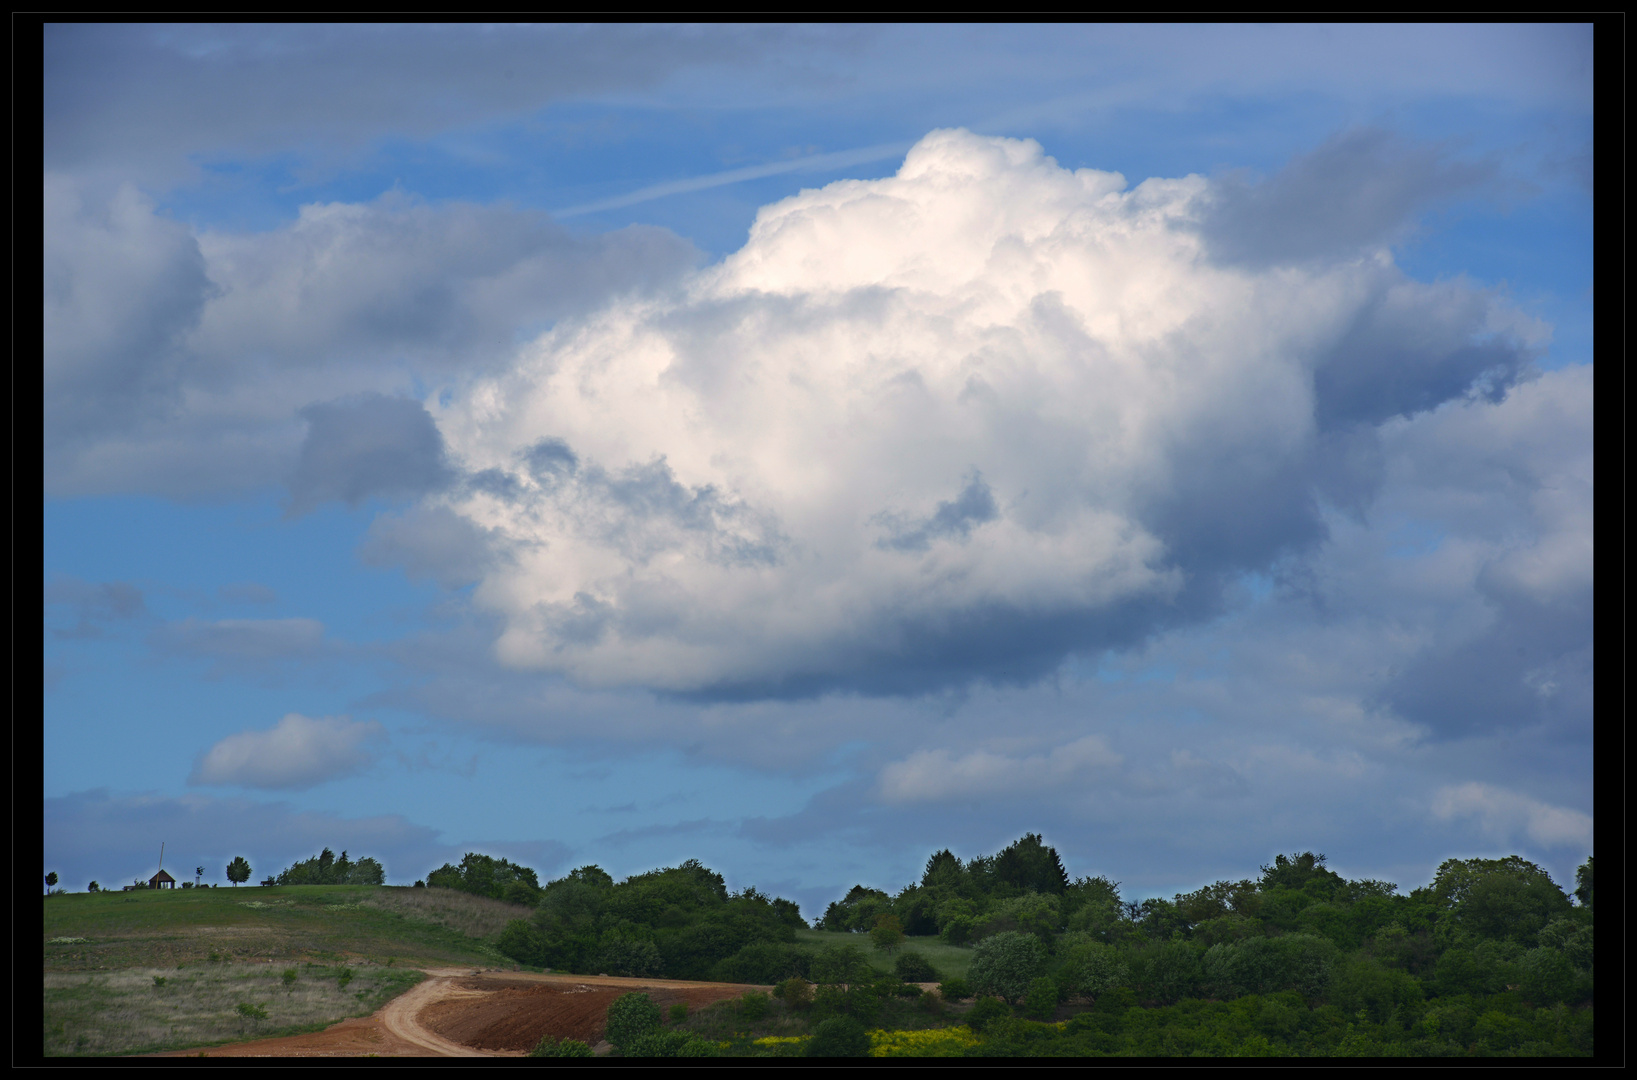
column 1490, row 957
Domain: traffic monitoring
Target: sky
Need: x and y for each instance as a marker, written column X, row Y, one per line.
column 804, row 448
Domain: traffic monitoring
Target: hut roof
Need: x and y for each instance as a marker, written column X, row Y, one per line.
column 161, row 876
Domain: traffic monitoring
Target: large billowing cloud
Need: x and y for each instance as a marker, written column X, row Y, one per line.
column 952, row 424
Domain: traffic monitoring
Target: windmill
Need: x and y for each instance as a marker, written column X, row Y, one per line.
column 198, row 873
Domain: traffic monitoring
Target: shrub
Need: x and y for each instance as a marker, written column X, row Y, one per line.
column 753, row 1006
column 839, row 1036
column 630, row 1017
column 289, row 978
column 253, row 1013
column 679, row 1012
column 913, row 967
column 669, row 1044
column 796, row 993
column 839, row 964
column 1005, row 964
column 550, row 1047
column 523, row 942
column 888, row 933
column 1041, row 1000
column 1116, row 1001
column 765, row 962
column 622, row 956
column 955, row 989
column 1088, row 967
column 986, row 1010
column 859, row 1001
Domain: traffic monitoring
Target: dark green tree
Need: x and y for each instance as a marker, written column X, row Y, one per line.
column 1500, row 899
column 1298, row 873
column 238, row 870
column 1028, row 865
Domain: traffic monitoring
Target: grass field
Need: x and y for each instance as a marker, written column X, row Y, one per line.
column 142, row 1010
column 950, row 960
column 135, row 972
column 318, row 923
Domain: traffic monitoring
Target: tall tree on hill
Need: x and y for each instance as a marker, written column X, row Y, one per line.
column 50, row 880
column 238, row 870
column 1030, row 866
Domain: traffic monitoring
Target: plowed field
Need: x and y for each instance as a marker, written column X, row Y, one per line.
column 461, row 1013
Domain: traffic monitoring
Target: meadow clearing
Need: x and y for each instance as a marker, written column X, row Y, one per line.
column 152, row 970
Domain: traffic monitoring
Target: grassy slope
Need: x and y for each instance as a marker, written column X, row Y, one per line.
column 950, row 960
column 212, row 947
column 323, row 923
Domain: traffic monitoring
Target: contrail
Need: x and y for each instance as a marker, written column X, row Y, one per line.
column 734, row 176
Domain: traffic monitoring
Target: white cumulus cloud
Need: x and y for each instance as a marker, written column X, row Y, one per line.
column 298, row 752
column 949, row 424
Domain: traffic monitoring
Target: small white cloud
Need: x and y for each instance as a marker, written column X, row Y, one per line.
column 297, row 753
column 932, row 775
column 1506, row 814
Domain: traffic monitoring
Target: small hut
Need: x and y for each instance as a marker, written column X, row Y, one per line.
column 161, row 880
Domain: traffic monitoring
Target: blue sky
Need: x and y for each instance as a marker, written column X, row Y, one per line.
column 806, row 448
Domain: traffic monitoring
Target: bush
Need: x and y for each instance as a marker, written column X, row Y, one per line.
column 550, row 1047
column 1006, row 963
column 629, row 1018
column 1088, row 967
column 669, row 1044
column 859, row 1001
column 955, row 989
column 623, row 956
column 839, row 1036
column 523, row 942
column 753, row 1007
column 795, row 993
column 1116, row 1001
column 915, row 968
column 839, row 964
column 888, row 933
column 1041, row 1000
column 986, row 1010
column 765, row 962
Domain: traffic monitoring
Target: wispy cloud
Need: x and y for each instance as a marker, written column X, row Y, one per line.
column 816, row 162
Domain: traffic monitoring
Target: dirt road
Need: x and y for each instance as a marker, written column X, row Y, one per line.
column 458, row 1012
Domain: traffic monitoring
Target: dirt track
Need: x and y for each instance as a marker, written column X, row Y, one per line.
column 458, row 1012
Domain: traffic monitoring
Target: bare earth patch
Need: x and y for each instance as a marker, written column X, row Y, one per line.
column 458, row 1012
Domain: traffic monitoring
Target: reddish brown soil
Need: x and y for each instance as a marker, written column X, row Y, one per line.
column 516, row 1015
column 479, row 1014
